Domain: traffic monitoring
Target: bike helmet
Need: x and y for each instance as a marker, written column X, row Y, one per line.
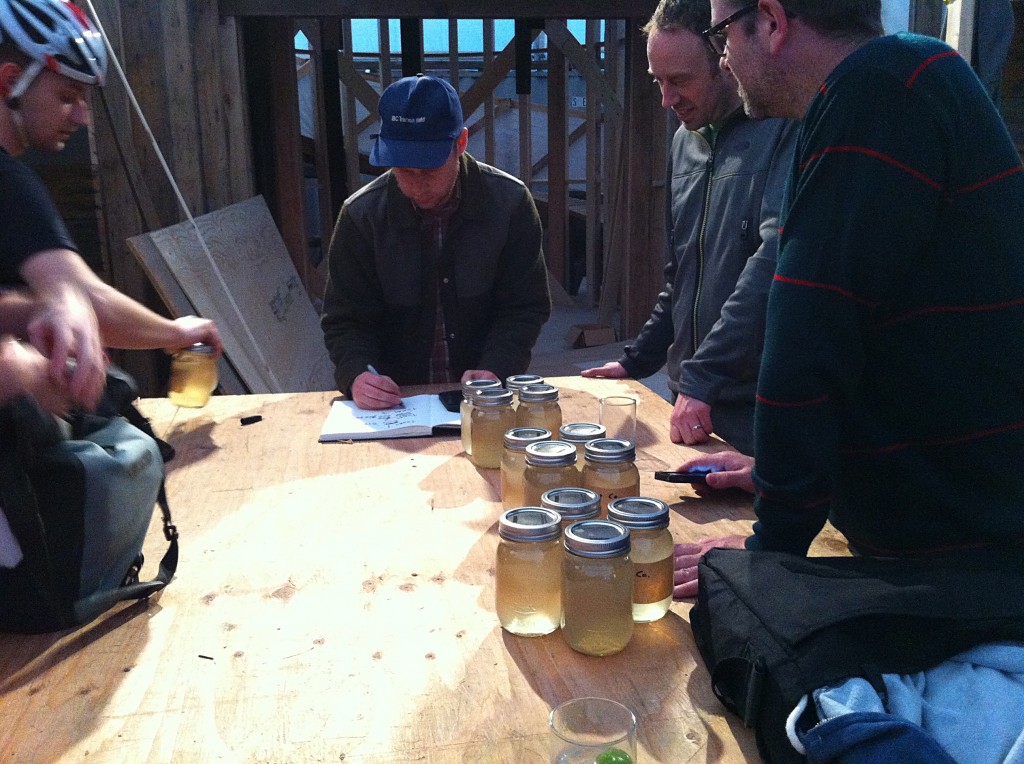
column 55, row 35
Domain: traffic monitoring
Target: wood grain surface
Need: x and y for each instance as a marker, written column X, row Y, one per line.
column 335, row 602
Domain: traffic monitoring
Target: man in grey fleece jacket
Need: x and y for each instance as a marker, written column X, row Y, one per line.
column 726, row 174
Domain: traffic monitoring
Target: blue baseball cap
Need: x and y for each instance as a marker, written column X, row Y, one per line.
column 420, row 117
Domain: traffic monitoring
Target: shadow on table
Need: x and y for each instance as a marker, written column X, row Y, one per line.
column 654, row 676
column 95, row 658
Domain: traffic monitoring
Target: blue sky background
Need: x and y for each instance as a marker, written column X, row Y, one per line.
column 435, row 35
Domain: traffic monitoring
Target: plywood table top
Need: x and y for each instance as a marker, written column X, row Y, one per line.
column 335, row 602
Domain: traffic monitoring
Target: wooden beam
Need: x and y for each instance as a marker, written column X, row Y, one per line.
column 645, row 166
column 583, row 61
column 558, row 208
column 330, row 143
column 593, row 167
column 455, row 9
column 491, row 76
column 412, row 46
column 277, row 147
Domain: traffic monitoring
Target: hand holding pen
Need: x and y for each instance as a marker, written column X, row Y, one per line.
column 371, row 390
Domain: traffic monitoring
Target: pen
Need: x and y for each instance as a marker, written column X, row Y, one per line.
column 374, row 372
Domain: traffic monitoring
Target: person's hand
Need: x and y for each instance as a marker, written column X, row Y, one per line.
column 478, row 374
column 684, row 576
column 691, row 421
column 373, row 391
column 23, row 369
column 611, row 370
column 66, row 329
column 191, row 329
column 730, row 469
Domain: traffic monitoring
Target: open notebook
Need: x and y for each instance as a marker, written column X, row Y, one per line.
column 419, row 416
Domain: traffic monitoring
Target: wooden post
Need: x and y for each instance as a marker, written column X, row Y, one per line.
column 645, row 150
column 270, row 69
column 558, row 217
column 412, row 46
column 330, row 138
column 488, row 57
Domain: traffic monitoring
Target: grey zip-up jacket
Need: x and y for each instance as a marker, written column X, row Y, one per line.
column 384, row 291
column 722, row 222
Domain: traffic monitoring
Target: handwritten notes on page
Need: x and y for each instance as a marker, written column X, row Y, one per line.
column 417, row 418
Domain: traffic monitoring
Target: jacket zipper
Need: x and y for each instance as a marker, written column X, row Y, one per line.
column 700, row 244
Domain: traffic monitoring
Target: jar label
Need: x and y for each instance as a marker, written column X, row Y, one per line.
column 652, row 581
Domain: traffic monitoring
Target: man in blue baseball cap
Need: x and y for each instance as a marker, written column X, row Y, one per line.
column 436, row 268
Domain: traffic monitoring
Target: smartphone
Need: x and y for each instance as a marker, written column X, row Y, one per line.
column 696, row 475
column 451, row 400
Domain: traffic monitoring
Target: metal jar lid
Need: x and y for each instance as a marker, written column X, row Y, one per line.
column 550, row 453
column 609, row 450
column 538, row 393
column 596, row 538
column 517, row 381
column 530, row 524
column 581, row 432
column 518, row 438
column 572, row 503
column 472, row 385
column 492, row 396
column 199, row 348
column 639, row 513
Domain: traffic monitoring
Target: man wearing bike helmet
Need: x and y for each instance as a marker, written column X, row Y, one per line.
column 50, row 54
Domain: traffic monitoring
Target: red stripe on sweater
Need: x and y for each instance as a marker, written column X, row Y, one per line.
column 993, row 179
column 935, row 442
column 877, row 155
column 951, row 309
column 793, row 404
column 826, row 287
column 926, row 63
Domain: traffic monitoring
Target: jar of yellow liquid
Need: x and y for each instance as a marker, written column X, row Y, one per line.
column 492, row 416
column 652, row 553
column 518, row 381
column 551, row 464
column 610, row 469
column 513, row 462
column 193, row 376
column 573, row 504
column 528, row 572
column 469, row 389
column 579, row 434
column 597, row 587
column 538, row 407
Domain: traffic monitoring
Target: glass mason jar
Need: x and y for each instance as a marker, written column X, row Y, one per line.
column 610, row 469
column 573, row 504
column 597, row 587
column 469, row 388
column 513, row 462
column 652, row 553
column 538, row 407
column 516, row 381
column 193, row 376
column 551, row 464
column 491, row 417
column 527, row 579
column 579, row 433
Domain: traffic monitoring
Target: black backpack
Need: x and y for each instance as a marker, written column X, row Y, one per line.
column 79, row 504
column 772, row 627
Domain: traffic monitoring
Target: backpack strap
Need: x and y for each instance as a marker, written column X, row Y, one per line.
column 133, row 589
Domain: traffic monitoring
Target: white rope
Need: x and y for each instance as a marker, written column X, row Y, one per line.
column 181, row 199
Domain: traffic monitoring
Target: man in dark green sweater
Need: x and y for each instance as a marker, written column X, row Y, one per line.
column 891, row 395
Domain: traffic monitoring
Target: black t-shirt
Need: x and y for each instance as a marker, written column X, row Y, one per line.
column 29, row 221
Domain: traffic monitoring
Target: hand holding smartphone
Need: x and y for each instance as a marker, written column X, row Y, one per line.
column 696, row 475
